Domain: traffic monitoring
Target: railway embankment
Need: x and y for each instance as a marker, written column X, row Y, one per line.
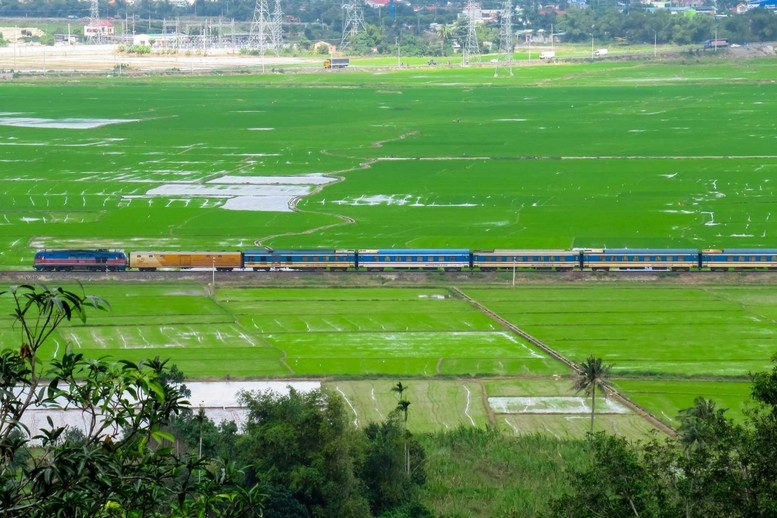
column 403, row 278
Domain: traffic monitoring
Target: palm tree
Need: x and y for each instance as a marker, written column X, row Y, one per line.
column 700, row 425
column 402, row 405
column 445, row 34
column 592, row 373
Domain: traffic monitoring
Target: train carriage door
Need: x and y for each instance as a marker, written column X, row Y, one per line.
column 186, row 261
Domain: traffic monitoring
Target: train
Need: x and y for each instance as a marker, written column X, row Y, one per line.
column 267, row 259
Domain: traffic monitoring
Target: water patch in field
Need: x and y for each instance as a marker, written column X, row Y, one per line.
column 218, row 399
column 72, row 123
column 553, row 405
column 245, row 193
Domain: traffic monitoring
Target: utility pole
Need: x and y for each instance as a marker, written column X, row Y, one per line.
column 353, row 22
column 506, row 45
column 266, row 29
column 471, row 51
column 592, row 42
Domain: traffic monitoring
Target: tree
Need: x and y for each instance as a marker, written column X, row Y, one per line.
column 444, row 32
column 715, row 468
column 402, row 406
column 592, row 373
column 306, row 451
column 617, row 483
column 389, row 486
column 117, row 464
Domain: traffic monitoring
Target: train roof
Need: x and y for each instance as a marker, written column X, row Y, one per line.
column 526, row 251
column 648, row 251
column 742, row 251
column 79, row 251
column 186, row 252
column 300, row 251
column 415, row 251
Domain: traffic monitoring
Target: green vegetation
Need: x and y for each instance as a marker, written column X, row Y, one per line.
column 114, row 464
column 675, row 331
column 713, row 468
column 483, row 473
column 548, row 173
column 250, row 333
column 297, row 454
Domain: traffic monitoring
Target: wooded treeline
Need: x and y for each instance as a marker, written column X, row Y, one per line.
column 425, row 28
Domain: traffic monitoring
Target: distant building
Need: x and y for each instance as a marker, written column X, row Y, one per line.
column 101, row 28
column 763, row 4
column 330, row 49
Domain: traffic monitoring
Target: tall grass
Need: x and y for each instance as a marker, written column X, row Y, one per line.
column 473, row 472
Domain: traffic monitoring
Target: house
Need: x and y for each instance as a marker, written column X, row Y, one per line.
column 100, row 28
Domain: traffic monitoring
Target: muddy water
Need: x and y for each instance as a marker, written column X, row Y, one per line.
column 219, row 399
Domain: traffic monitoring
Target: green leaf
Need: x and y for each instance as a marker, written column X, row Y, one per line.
column 160, row 436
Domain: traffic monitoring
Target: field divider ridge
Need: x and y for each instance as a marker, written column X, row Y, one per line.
column 610, row 389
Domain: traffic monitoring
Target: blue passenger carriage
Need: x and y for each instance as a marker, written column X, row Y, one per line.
column 419, row 259
column 739, row 259
column 80, row 260
column 641, row 259
column 535, row 259
column 299, row 259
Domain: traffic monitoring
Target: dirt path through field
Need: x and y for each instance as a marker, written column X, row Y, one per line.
column 639, row 410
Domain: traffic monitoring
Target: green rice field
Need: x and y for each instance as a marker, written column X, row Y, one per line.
column 677, row 331
column 605, row 154
column 668, row 344
column 559, row 156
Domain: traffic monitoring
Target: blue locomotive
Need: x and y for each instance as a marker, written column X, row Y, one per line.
column 80, row 260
